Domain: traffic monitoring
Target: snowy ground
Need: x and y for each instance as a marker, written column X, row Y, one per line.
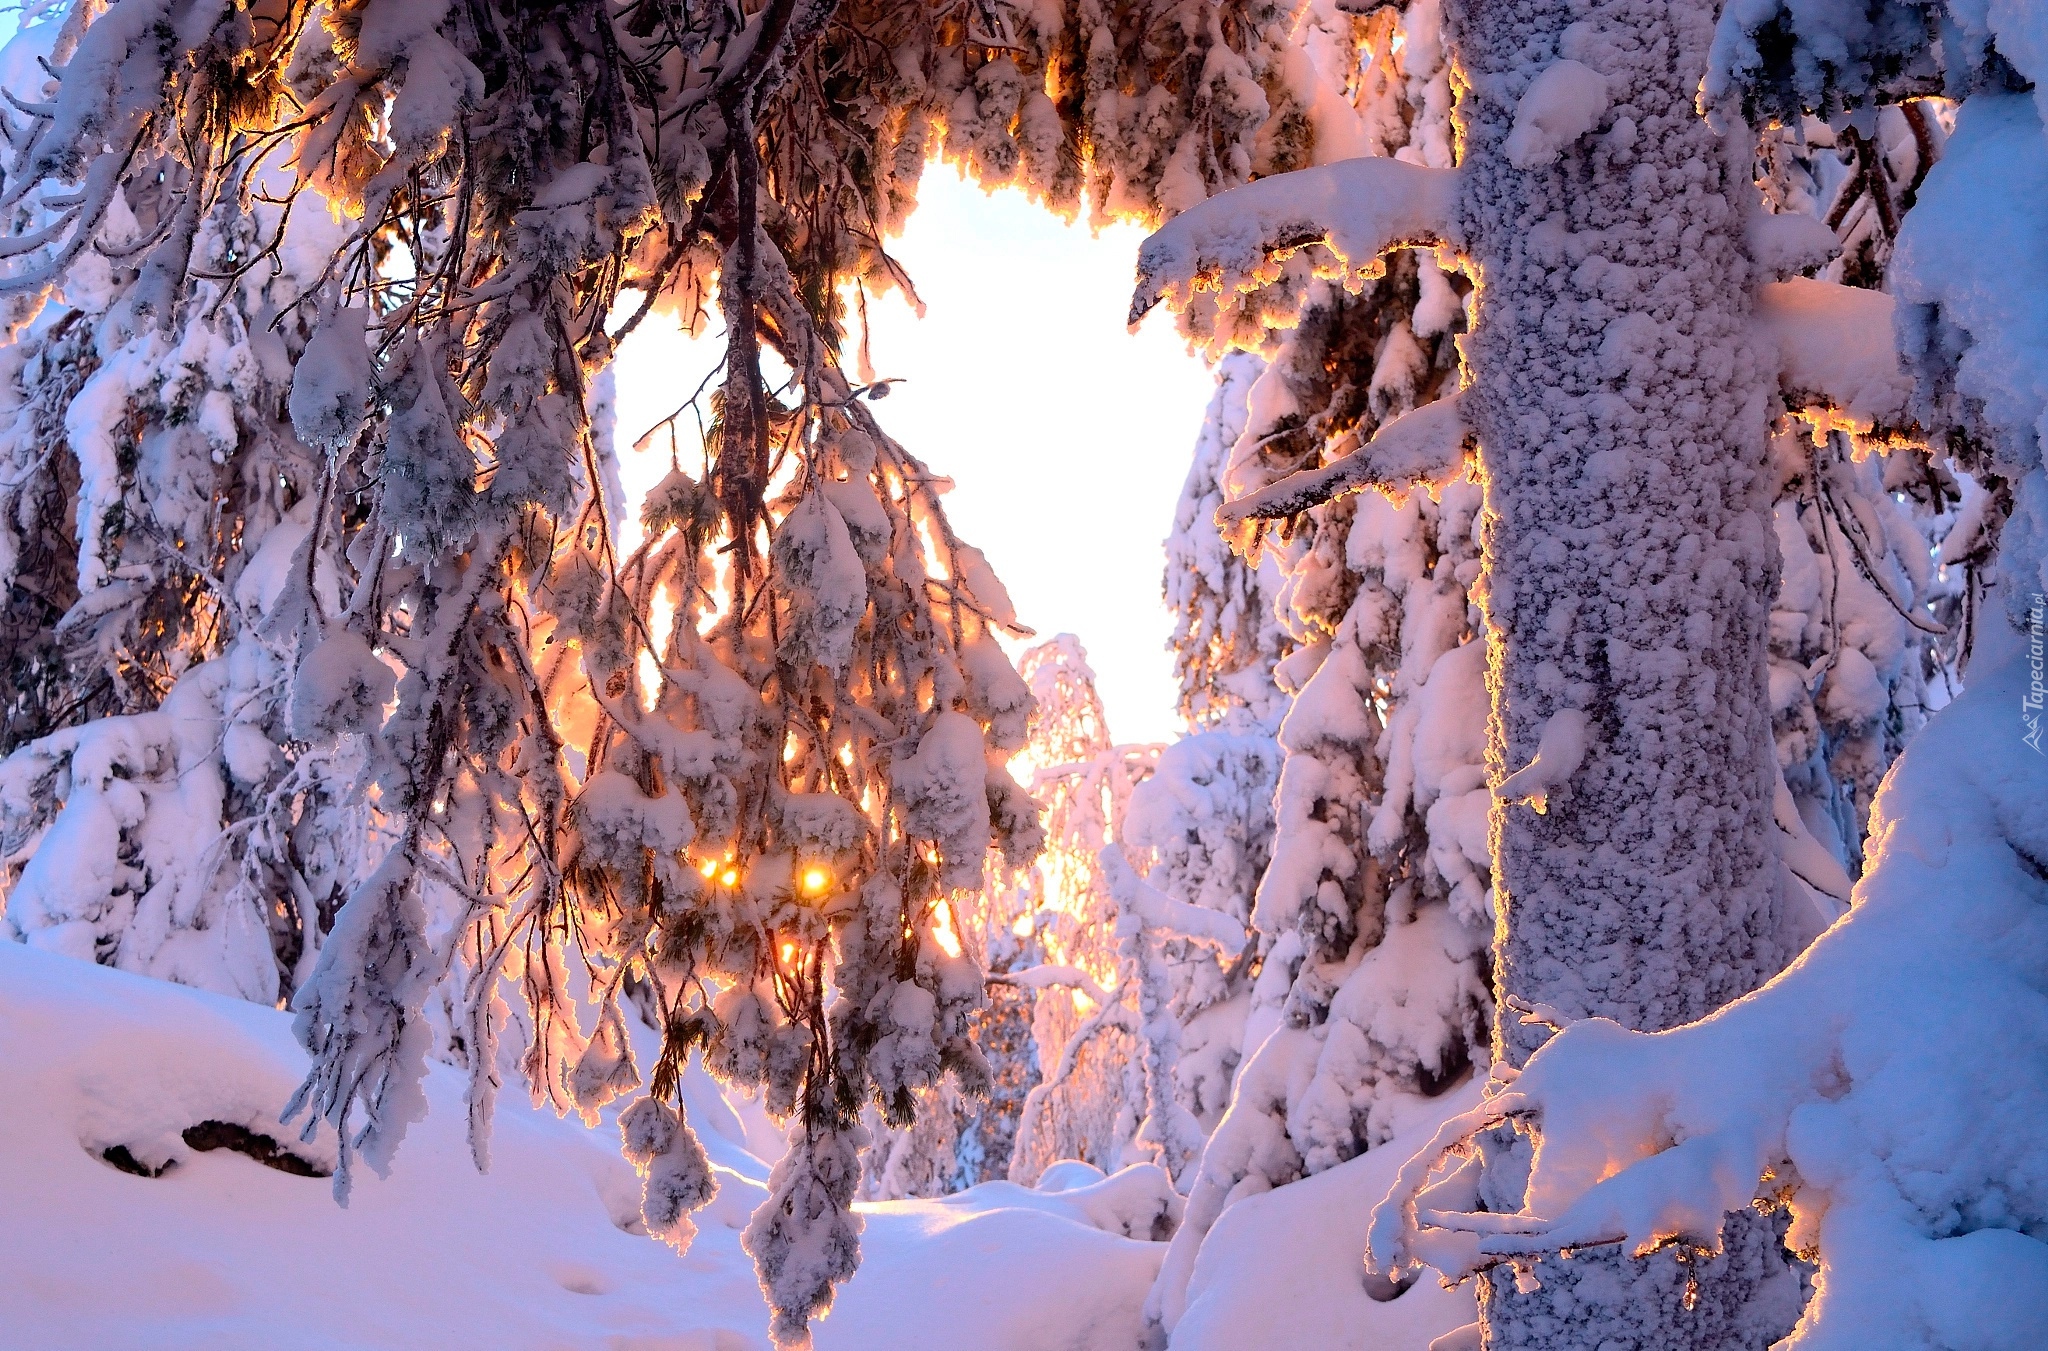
column 222, row 1252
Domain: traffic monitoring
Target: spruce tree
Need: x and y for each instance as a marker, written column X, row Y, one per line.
column 1651, row 1142
column 1611, row 391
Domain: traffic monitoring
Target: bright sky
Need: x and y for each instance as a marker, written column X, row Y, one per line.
column 1067, row 436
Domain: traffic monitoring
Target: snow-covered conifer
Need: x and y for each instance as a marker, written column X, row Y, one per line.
column 1837, row 1091
column 1227, row 638
column 1614, row 592
column 499, row 179
column 1374, row 912
column 355, row 271
column 159, row 810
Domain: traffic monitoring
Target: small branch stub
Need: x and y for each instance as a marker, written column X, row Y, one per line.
column 1560, row 750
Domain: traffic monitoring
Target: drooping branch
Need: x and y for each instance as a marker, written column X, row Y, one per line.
column 1163, row 914
column 1054, row 977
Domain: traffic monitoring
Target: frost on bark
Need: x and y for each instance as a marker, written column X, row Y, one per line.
column 1629, row 565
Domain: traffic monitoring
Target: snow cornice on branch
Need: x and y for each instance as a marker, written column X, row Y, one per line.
column 1358, row 209
column 1838, row 368
column 1838, row 362
column 1426, row 447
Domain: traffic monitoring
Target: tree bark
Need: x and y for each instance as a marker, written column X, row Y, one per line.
column 1629, row 569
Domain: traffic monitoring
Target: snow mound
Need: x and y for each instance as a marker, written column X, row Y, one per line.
column 547, row 1250
column 1001, row 1267
column 222, row 1252
column 1286, row 1268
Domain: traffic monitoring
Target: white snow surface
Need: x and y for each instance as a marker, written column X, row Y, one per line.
column 1835, row 351
column 223, row 1253
column 1284, row 1268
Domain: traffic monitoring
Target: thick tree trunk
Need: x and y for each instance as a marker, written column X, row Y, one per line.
column 1629, row 569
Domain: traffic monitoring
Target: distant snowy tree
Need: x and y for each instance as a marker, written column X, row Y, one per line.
column 1089, row 1098
column 1206, row 819
column 1141, row 981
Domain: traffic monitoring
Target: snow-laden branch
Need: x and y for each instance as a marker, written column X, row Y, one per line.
column 1161, row 913
column 1837, row 359
column 1360, row 209
column 1055, row 978
column 1426, row 447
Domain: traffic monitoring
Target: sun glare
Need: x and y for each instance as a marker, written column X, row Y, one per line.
column 1098, row 413
column 942, row 930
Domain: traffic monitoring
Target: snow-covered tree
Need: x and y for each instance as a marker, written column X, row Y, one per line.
column 1089, row 1097
column 1206, row 819
column 986, row 1130
column 1141, row 981
column 500, row 181
column 1374, row 913
column 1623, row 260
column 1843, row 1091
column 154, row 507
column 1854, row 643
column 373, row 256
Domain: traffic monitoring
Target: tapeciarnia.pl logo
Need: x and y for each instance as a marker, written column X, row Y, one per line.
column 2030, row 703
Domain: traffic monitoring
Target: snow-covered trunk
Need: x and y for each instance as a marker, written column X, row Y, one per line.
column 1629, row 565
